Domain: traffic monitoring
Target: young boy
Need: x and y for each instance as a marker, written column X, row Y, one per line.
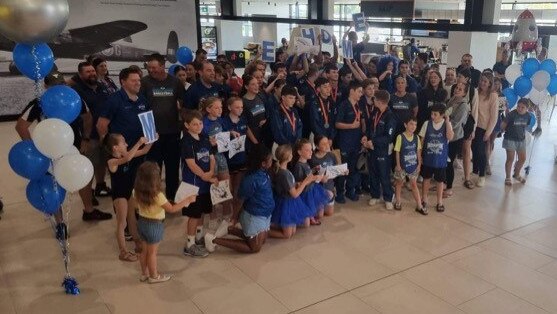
column 286, row 125
column 348, row 138
column 436, row 134
column 514, row 140
column 321, row 114
column 198, row 168
column 408, row 151
column 379, row 136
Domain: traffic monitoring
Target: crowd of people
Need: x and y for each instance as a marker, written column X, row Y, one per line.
column 394, row 123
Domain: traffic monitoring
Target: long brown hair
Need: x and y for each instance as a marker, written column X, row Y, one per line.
column 147, row 184
column 488, row 76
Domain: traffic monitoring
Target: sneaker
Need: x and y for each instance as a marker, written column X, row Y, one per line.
column 481, row 182
column 96, row 215
column 61, row 231
column 127, row 234
column 209, row 245
column 200, row 242
column 340, row 199
column 373, row 201
column 160, row 278
column 101, row 190
column 389, row 205
column 222, row 230
column 398, row 206
column 195, row 251
column 143, row 278
column 353, row 197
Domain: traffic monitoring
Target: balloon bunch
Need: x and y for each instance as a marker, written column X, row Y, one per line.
column 532, row 79
column 49, row 160
column 184, row 56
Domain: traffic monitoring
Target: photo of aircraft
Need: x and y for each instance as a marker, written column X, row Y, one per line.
column 99, row 40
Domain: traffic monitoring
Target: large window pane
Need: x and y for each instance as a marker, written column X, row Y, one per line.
column 281, row 9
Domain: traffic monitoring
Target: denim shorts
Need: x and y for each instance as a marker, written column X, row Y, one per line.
column 401, row 175
column 516, row 146
column 253, row 225
column 149, row 230
column 221, row 163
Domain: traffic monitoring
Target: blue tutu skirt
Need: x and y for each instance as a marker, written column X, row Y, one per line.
column 289, row 212
column 315, row 197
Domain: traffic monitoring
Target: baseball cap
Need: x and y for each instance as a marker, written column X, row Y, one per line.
column 54, row 78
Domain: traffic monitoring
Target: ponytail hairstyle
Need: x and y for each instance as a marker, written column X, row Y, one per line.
column 246, row 79
column 207, row 103
column 296, row 156
column 317, row 139
column 109, row 141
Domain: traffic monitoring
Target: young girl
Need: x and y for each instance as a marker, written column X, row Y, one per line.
column 122, row 167
column 514, row 141
column 257, row 194
column 290, row 209
column 323, row 158
column 152, row 204
column 236, row 123
column 314, row 195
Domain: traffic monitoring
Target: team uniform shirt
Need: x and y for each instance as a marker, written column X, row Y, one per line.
column 300, row 171
column 327, row 160
column 95, row 98
column 436, row 145
column 212, row 127
column 408, row 149
column 163, row 97
column 257, row 192
column 283, row 183
column 348, row 140
column 403, row 108
column 381, row 131
column 200, row 151
column 255, row 112
column 286, row 126
column 517, row 125
column 155, row 211
column 367, row 106
column 322, row 117
column 122, row 113
column 241, row 127
column 308, row 91
column 198, row 92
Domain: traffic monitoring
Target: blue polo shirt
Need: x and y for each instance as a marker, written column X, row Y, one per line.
column 200, row 152
column 197, row 92
column 348, row 140
column 122, row 113
column 257, row 192
column 241, row 127
column 95, row 100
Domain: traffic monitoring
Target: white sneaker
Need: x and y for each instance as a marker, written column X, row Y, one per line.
column 209, row 245
column 481, row 182
column 373, row 201
column 389, row 205
column 222, row 230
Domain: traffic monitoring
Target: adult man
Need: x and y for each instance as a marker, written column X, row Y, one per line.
column 165, row 94
column 500, row 67
column 94, row 95
column 82, row 132
column 308, row 91
column 409, row 51
column 404, row 71
column 421, row 63
column 466, row 63
column 202, row 88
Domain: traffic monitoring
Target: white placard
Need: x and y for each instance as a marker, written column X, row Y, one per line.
column 185, row 190
column 221, row 192
column 237, row 145
column 223, row 141
column 335, row 171
column 148, row 125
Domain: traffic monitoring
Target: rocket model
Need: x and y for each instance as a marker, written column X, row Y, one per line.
column 525, row 33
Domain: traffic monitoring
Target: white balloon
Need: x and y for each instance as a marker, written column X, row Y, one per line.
column 538, row 97
column 73, row 172
column 540, row 80
column 513, row 72
column 73, row 151
column 53, row 137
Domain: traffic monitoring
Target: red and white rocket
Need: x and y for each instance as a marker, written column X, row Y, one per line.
column 525, row 33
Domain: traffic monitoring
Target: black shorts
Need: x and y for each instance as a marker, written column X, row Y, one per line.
column 439, row 174
column 236, row 168
column 202, row 205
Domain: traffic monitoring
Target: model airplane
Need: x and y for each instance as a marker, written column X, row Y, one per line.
column 98, row 40
column 525, row 33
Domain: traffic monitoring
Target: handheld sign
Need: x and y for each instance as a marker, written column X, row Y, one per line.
column 326, row 37
column 308, row 33
column 223, row 141
column 359, row 22
column 336, row 171
column 347, row 51
column 268, row 53
column 237, row 145
column 148, row 124
column 220, row 192
column 185, row 190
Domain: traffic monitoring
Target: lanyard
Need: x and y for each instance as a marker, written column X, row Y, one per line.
column 312, row 86
column 356, row 111
column 367, row 106
column 376, row 120
column 325, row 112
column 290, row 118
column 334, row 93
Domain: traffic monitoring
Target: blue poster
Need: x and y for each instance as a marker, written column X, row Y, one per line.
column 347, row 51
column 268, row 53
column 359, row 22
column 148, row 124
column 308, row 33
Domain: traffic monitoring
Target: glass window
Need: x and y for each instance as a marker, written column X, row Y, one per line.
column 545, row 12
column 280, row 9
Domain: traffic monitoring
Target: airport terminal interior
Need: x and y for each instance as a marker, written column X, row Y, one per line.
column 278, row 156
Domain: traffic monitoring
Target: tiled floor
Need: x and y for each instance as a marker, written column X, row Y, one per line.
column 493, row 251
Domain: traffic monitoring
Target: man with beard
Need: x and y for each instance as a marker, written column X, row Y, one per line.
column 202, row 88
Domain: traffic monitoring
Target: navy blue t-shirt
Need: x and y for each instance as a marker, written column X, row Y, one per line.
column 241, row 127
column 197, row 92
column 122, row 113
column 348, row 140
column 200, row 151
column 95, row 100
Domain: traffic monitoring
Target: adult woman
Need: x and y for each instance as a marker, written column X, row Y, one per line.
column 255, row 111
column 102, row 75
column 457, row 109
column 487, row 118
column 190, row 73
column 234, row 81
column 450, row 79
column 386, row 68
column 180, row 74
column 433, row 92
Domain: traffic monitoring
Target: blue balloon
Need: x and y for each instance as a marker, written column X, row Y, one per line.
column 522, row 86
column 45, row 194
column 33, row 65
column 172, row 68
column 530, row 66
column 61, row 102
column 552, row 87
column 26, row 160
column 511, row 96
column 549, row 66
column 184, row 55
column 532, row 121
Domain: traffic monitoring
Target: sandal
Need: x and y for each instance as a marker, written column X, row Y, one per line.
column 508, row 182
column 520, row 179
column 143, row 278
column 422, row 211
column 398, row 206
column 469, row 184
column 447, row 194
column 159, row 278
column 127, row 256
column 440, row 208
column 314, row 222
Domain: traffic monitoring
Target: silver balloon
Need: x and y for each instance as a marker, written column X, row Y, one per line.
column 33, row 21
